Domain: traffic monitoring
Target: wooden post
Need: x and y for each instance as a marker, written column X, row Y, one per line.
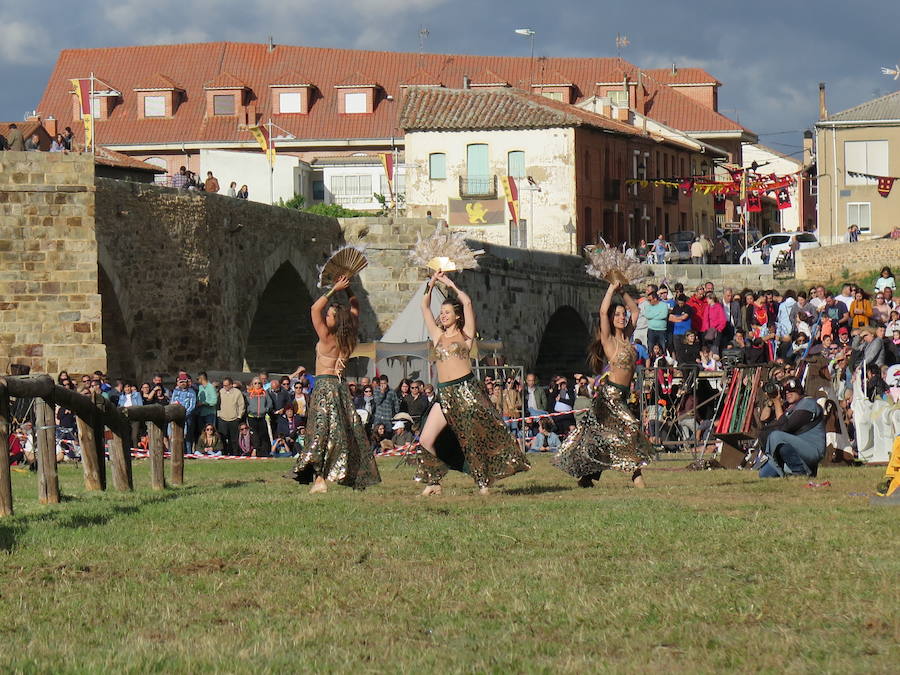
column 157, row 464
column 120, row 458
column 176, row 445
column 6, row 502
column 90, row 444
column 48, row 478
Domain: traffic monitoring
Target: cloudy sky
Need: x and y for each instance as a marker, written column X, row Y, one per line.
column 769, row 55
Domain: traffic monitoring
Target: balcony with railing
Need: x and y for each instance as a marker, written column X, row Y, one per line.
column 670, row 195
column 484, row 187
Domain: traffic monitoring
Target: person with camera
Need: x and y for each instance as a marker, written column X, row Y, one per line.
column 795, row 440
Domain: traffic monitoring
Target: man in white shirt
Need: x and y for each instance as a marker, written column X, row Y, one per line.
column 846, row 295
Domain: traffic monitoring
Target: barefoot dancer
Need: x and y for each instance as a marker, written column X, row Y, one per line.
column 609, row 436
column 335, row 447
column 490, row 453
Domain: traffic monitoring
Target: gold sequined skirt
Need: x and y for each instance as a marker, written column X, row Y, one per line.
column 609, row 436
column 477, row 440
column 335, row 444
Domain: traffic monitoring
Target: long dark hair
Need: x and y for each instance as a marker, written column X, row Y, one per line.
column 596, row 354
column 458, row 308
column 346, row 329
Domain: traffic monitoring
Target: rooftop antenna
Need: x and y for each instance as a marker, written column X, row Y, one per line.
column 271, row 44
column 423, row 36
column 622, row 41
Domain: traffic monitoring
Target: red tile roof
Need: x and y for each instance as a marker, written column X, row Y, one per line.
column 358, row 79
column 193, row 65
column 292, row 78
column 158, row 82
column 421, row 77
column 682, row 76
column 225, row 81
column 436, row 109
column 108, row 157
column 552, row 79
column 489, row 78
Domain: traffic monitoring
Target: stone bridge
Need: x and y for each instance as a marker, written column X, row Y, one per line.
column 132, row 278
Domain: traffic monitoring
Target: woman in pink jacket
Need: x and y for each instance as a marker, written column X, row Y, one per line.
column 713, row 322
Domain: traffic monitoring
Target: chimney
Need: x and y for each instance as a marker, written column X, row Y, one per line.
column 674, row 69
column 50, row 126
column 823, row 111
column 271, row 44
column 467, row 83
column 807, row 147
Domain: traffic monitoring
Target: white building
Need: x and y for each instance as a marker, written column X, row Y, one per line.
column 772, row 161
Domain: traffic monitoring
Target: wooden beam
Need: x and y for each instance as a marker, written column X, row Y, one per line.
column 90, row 450
column 48, row 478
column 157, row 461
column 6, row 500
column 176, row 445
column 120, row 461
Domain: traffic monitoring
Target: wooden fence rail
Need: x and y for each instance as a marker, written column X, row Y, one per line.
column 94, row 415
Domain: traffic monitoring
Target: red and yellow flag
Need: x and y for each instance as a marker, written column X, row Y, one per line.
column 512, row 196
column 83, row 92
column 387, row 163
column 261, row 134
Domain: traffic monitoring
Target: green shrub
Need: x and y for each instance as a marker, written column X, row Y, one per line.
column 295, row 202
column 334, row 210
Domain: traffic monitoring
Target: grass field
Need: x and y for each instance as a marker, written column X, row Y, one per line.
column 242, row 571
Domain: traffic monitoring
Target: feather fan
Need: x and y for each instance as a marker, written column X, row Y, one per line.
column 613, row 265
column 345, row 262
column 444, row 252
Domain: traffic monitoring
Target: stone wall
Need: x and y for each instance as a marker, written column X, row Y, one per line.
column 49, row 303
column 828, row 263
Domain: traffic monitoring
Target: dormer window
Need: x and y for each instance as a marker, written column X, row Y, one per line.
column 488, row 78
column 556, row 87
column 159, row 97
column 225, row 96
column 356, row 94
column 104, row 99
column 291, row 94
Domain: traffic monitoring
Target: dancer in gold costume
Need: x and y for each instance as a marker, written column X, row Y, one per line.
column 609, row 436
column 335, row 445
column 489, row 453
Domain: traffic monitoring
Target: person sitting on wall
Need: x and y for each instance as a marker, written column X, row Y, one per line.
column 795, row 440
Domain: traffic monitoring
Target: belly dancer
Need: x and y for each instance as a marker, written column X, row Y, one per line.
column 335, row 445
column 489, row 453
column 609, row 436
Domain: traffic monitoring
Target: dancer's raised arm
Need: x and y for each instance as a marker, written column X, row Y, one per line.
column 466, row 302
column 632, row 307
column 430, row 323
column 320, row 307
column 605, row 326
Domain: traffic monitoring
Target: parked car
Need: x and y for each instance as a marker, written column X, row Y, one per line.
column 778, row 242
column 676, row 255
column 682, row 242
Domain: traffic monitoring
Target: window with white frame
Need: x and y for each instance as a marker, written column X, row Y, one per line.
column 399, row 184
column 154, row 106
column 515, row 162
column 860, row 214
column 289, row 102
column 223, row 104
column 865, row 157
column 518, row 234
column 95, row 107
column 553, row 95
column 437, row 166
column 355, row 102
column 352, row 186
column 618, row 98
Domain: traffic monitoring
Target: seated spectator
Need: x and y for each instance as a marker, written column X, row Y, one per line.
column 243, row 193
column 209, row 443
column 232, row 189
column 379, row 433
column 688, row 352
column 860, row 309
column 401, row 429
column 546, row 440
column 58, row 144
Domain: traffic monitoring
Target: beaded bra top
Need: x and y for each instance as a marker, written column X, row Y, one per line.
column 625, row 357
column 455, row 350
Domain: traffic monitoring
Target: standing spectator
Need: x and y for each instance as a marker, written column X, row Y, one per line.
column 243, row 193
column 697, row 302
column 713, row 323
column 15, row 141
column 207, row 401
column 535, row 396
column 417, row 404
column 696, row 252
column 232, row 189
column 58, row 144
column 853, row 234
column 642, row 250
column 69, row 138
column 657, row 315
column 130, row 398
column 259, row 404
column 680, row 318
column 659, row 249
column 211, row 184
column 300, row 402
column 4, row 144
column 403, row 394
column 33, row 143
column 186, row 397
column 707, row 247
column 181, row 179
column 386, row 403
column 282, row 399
column 511, row 405
column 861, row 309
column 786, row 321
column 846, row 296
column 231, row 411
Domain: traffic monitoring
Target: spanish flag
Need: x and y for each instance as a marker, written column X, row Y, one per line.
column 83, row 92
column 387, row 163
column 261, row 134
column 512, row 196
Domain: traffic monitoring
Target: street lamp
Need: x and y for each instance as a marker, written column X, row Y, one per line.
column 529, row 33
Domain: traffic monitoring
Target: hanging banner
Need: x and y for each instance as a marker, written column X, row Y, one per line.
column 512, row 196
column 475, row 212
column 754, row 203
column 387, row 163
column 83, row 93
column 261, row 134
column 885, row 183
column 783, row 199
column 719, row 205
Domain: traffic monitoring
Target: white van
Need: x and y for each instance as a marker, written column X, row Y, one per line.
column 779, row 242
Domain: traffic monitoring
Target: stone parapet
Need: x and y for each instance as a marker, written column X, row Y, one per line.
column 831, row 263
